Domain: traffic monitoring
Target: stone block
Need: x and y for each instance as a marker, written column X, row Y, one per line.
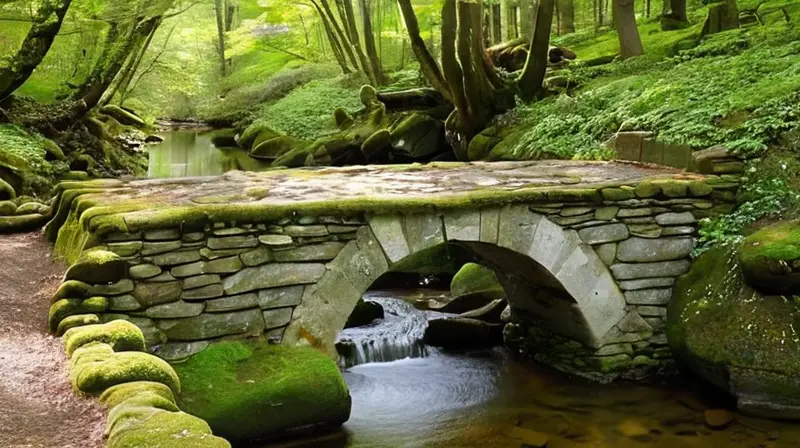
column 660, row 249
column 634, row 212
column 660, row 296
column 677, row 156
column 675, row 219
column 280, row 297
column 652, row 152
column 123, row 286
column 175, row 310
column 204, row 293
column 143, row 271
column 257, row 256
column 652, row 311
column 188, row 270
column 629, row 145
column 312, row 252
column 177, row 257
column 232, row 242
column 179, row 351
column 633, row 271
column 634, row 323
column 423, row 231
column 123, row 303
column 125, row 249
column 275, row 240
column 490, row 224
column 162, row 235
column 389, row 232
column 209, row 326
column 604, row 234
column 552, row 245
column 463, row 225
column 606, row 213
column 645, row 230
column 200, row 280
column 160, row 247
column 517, row 228
column 278, row 317
column 223, row 266
column 232, row 303
column 362, row 261
column 632, row 285
column 607, row 253
column 273, row 275
column 150, row 294
column 305, row 231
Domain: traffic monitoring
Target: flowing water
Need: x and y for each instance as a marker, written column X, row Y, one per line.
column 487, row 399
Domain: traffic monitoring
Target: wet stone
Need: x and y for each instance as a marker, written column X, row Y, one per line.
column 306, row 231
column 162, row 235
column 175, row 310
column 649, row 296
column 200, row 281
column 232, row 242
column 232, row 303
column 206, row 292
column 161, row 247
column 143, row 271
column 188, row 270
column 275, row 240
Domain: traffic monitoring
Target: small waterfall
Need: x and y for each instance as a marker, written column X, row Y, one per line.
column 397, row 336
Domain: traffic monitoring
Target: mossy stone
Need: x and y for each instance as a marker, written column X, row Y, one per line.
column 375, row 147
column 343, row 119
column 30, row 208
column 224, row 138
column 98, row 267
column 75, row 321
column 157, row 428
column 6, row 191
column 647, row 190
column 74, row 175
column 617, row 194
column 71, row 289
column 121, row 335
column 22, row 223
column 116, row 395
column 96, row 367
column 254, row 390
column 273, row 148
column 368, row 96
column 474, row 278
column 7, row 208
column 69, row 307
column 770, row 258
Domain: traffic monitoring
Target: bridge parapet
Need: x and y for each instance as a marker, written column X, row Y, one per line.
column 587, row 251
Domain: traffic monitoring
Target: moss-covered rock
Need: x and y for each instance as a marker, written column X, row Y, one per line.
column 133, row 425
column 474, row 278
column 98, row 267
column 76, row 321
column 64, row 308
column 343, row 118
column 770, row 258
column 419, row 136
column 121, row 335
column 6, row 191
column 224, row 138
column 364, row 313
column 71, row 289
column 96, row 367
column 463, row 333
column 30, row 208
column 253, row 390
column 22, row 223
column 7, row 208
column 254, row 134
column 119, row 394
column 376, row 146
column 735, row 337
column 275, row 147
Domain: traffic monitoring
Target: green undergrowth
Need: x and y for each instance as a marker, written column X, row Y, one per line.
column 739, row 88
column 26, row 155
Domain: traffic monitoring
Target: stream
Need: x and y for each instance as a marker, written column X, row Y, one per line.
column 408, row 395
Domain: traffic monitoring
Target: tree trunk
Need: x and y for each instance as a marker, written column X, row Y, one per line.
column 600, row 13
column 355, row 40
column 345, row 42
column 126, row 75
column 678, row 8
column 566, row 16
column 526, row 19
column 630, row 44
column 506, row 19
column 107, row 69
column 428, row 65
column 336, row 47
column 532, row 78
column 219, row 9
column 369, row 43
column 45, row 28
column 721, row 17
column 497, row 24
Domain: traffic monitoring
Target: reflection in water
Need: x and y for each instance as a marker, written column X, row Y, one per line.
column 449, row 400
column 185, row 154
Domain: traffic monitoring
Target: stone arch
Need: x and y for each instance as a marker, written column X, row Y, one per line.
column 513, row 240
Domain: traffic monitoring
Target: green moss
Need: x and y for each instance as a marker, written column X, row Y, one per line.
column 116, row 395
column 75, row 321
column 716, row 321
column 21, row 223
column 473, row 278
column 248, row 390
column 155, row 428
column 224, row 138
column 770, row 258
column 430, row 261
column 70, row 307
column 96, row 367
column 121, row 335
column 98, row 267
column 617, row 194
column 122, row 116
column 6, row 190
column 71, row 289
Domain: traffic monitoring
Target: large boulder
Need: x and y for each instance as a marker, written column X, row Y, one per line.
column 462, row 333
column 419, row 136
column 737, row 338
column 275, row 147
column 474, row 278
column 255, row 391
column 770, row 258
column 364, row 313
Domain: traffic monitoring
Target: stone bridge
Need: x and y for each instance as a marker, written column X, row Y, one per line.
column 587, row 252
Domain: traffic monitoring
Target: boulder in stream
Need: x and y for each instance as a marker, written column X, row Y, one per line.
column 463, row 333
column 364, row 313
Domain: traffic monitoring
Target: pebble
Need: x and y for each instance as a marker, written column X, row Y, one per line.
column 717, row 418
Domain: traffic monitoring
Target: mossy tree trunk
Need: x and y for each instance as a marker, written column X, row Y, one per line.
column 355, row 40
column 125, row 77
column 219, row 11
column 46, row 26
column 630, row 44
column 428, row 65
column 526, row 18
column 532, row 78
column 369, row 43
column 566, row 14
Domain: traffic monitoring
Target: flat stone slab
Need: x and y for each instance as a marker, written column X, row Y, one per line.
column 153, row 203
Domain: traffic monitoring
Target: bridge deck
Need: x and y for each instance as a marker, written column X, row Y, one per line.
column 146, row 203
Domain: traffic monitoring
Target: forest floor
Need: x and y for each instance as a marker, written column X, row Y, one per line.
column 39, row 407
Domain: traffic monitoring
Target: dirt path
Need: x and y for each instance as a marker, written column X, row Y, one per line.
column 38, row 407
